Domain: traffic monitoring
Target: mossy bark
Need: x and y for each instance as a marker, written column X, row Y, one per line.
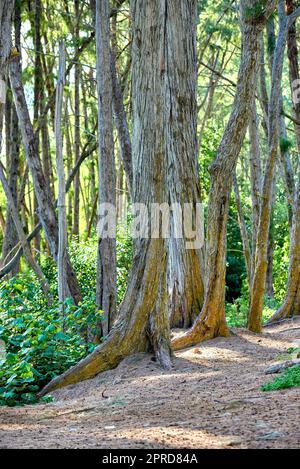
column 211, row 322
column 163, row 46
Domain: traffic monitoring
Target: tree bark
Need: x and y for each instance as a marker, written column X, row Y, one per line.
column 256, row 180
column 143, row 324
column 43, row 195
column 63, row 290
column 106, row 260
column 261, row 257
column 291, row 305
column 6, row 11
column 211, row 322
column 76, row 183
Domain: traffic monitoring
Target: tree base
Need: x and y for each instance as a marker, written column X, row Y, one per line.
column 198, row 333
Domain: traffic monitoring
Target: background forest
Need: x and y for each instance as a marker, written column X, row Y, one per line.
column 44, row 337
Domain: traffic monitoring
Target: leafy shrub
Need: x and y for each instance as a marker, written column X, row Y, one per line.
column 39, row 345
column 290, row 378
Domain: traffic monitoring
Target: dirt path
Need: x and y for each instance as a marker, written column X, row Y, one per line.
column 211, row 399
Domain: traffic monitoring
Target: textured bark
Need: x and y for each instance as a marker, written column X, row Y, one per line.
column 291, row 305
column 287, row 169
column 77, row 125
column 143, row 324
column 211, row 322
column 106, row 261
column 38, row 86
column 261, row 257
column 6, row 11
column 185, row 271
column 10, row 238
column 121, row 123
column 63, row 290
column 292, row 51
column 255, row 179
column 43, row 195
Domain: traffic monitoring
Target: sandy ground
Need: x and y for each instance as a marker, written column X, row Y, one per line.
column 211, row 399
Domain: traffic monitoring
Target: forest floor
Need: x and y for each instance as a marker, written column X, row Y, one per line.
column 210, row 399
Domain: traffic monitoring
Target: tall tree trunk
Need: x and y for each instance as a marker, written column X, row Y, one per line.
column 10, row 238
column 261, row 257
column 77, row 125
column 38, row 85
column 256, row 180
column 292, row 51
column 211, row 322
column 63, row 290
column 44, row 197
column 291, row 305
column 6, row 11
column 106, row 262
column 144, row 324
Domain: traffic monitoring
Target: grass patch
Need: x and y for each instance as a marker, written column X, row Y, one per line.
column 288, row 379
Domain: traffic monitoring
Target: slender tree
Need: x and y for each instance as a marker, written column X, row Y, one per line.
column 211, row 322
column 261, row 256
column 106, row 263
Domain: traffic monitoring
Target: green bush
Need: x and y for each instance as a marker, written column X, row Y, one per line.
column 288, row 379
column 39, row 345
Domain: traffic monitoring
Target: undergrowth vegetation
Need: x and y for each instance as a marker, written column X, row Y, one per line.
column 290, row 378
column 39, row 343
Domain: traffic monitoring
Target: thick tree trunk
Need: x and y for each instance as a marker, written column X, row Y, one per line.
column 106, row 261
column 261, row 257
column 143, row 324
column 185, row 272
column 211, row 322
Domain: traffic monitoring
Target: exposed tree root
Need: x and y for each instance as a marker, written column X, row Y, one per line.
column 106, row 357
column 143, row 325
column 203, row 329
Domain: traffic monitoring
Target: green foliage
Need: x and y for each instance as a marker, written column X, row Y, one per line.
column 124, row 260
column 256, row 11
column 285, row 144
column 39, row 345
column 290, row 378
column 237, row 311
